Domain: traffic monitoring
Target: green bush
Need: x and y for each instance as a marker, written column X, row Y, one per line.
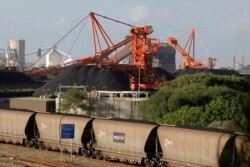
column 233, row 82
column 76, row 99
column 200, row 99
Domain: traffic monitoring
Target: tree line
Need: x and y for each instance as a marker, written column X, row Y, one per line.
column 199, row 99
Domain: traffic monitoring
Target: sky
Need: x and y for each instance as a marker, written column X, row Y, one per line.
column 223, row 26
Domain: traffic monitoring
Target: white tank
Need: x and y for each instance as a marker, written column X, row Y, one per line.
column 18, row 46
column 54, row 57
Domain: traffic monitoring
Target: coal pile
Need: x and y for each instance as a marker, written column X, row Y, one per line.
column 213, row 71
column 8, row 77
column 16, row 84
column 87, row 75
column 93, row 77
column 165, row 74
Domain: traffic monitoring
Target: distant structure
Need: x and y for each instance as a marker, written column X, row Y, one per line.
column 38, row 56
column 2, row 57
column 234, row 62
column 55, row 56
column 242, row 62
column 238, row 65
column 15, row 53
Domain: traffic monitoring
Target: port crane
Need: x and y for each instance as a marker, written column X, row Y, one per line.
column 100, row 55
column 185, row 53
column 142, row 76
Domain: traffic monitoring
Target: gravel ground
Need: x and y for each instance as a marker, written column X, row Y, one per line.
column 17, row 156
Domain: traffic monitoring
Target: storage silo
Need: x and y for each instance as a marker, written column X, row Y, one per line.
column 54, row 57
column 18, row 46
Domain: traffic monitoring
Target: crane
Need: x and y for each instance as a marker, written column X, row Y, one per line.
column 100, row 55
column 142, row 76
column 185, row 53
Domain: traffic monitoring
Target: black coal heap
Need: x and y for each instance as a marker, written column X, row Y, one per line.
column 92, row 77
column 8, row 77
column 87, row 75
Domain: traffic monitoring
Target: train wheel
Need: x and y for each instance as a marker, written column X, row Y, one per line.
column 81, row 150
column 161, row 164
column 107, row 158
column 36, row 145
column 98, row 155
column 148, row 163
column 27, row 143
column 40, row 145
column 84, row 153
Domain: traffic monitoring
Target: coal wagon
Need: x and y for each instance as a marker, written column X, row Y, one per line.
column 124, row 140
column 49, row 131
column 17, row 126
column 193, row 147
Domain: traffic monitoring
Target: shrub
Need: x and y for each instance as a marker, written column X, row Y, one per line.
column 200, row 99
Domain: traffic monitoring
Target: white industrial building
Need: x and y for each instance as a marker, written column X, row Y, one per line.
column 55, row 56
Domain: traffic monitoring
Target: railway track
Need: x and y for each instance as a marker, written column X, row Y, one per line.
column 32, row 161
column 19, row 156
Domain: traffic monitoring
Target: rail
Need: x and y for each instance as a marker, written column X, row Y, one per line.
column 34, row 161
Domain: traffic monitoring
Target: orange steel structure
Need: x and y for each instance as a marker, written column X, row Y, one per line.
column 141, row 75
column 142, row 46
column 185, row 53
column 101, row 55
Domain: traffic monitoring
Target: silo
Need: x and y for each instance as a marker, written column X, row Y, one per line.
column 54, row 57
column 18, row 46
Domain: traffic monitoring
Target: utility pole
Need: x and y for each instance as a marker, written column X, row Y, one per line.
column 234, row 59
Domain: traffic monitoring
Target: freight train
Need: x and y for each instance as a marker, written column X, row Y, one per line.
column 129, row 141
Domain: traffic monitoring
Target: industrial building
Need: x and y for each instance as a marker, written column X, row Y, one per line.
column 55, row 56
column 15, row 53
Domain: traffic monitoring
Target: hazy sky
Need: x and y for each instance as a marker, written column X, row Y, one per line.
column 222, row 25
